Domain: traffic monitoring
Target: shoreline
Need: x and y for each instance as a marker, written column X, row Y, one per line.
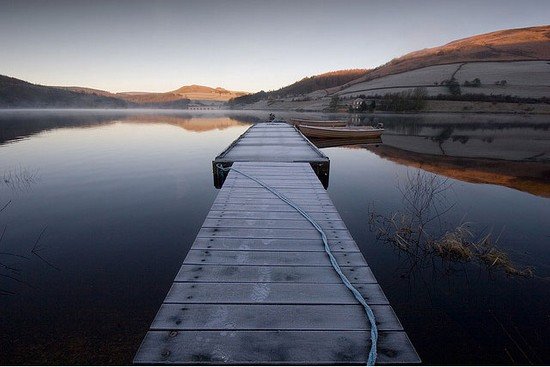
column 432, row 106
column 535, row 112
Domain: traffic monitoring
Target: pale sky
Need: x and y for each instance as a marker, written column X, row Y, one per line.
column 133, row 45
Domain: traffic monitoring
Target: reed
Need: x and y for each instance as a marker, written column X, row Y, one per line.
column 419, row 231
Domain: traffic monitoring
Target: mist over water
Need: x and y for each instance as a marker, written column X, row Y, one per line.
column 99, row 208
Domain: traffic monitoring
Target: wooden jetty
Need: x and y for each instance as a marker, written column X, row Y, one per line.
column 257, row 287
column 272, row 142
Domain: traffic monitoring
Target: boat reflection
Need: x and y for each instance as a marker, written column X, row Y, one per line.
column 342, row 142
column 527, row 174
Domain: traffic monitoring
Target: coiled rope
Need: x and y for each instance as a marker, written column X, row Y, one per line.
column 370, row 315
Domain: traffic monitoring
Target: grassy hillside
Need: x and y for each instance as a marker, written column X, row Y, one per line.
column 319, row 82
column 531, row 43
column 503, row 66
column 524, row 79
column 306, row 85
column 18, row 93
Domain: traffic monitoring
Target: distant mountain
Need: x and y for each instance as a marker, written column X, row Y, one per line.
column 16, row 93
column 306, row 85
column 20, row 94
column 521, row 44
column 189, row 92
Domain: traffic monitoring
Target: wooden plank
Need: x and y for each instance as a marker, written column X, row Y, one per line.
column 274, row 180
column 271, row 201
column 271, row 223
column 272, row 317
column 259, row 190
column 294, row 166
column 272, row 233
column 271, row 134
column 246, row 183
column 289, row 165
column 269, row 141
column 271, row 274
column 301, row 167
column 270, row 198
column 272, row 293
column 269, row 195
column 242, row 182
column 274, row 208
column 273, row 347
column 275, row 171
column 270, row 167
column 245, row 257
column 310, row 199
column 287, row 174
column 280, row 188
column 237, row 177
column 273, row 244
column 261, row 215
column 269, row 170
column 274, row 154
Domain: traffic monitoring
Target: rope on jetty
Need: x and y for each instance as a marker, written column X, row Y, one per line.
column 358, row 296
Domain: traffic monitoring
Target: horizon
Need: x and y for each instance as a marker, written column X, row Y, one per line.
column 152, row 47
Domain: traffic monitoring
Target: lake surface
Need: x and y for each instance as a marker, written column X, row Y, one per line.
column 99, row 208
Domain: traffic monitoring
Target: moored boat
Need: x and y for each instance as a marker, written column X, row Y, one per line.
column 299, row 122
column 328, row 132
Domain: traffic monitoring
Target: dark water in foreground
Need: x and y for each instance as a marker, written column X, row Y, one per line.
column 111, row 203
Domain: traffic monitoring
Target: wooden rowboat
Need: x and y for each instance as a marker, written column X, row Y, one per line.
column 340, row 132
column 299, row 122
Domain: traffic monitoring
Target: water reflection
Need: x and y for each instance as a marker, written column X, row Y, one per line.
column 487, row 149
column 20, row 124
column 119, row 198
column 528, row 176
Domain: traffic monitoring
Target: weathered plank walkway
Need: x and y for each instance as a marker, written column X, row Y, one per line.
column 257, row 287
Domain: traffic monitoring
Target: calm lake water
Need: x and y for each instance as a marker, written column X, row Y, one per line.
column 100, row 209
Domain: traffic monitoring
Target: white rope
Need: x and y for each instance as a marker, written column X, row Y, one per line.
column 358, row 296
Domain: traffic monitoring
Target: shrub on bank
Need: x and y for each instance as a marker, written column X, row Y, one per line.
column 414, row 100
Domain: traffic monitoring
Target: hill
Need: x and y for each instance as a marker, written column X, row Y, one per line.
column 522, row 79
column 98, row 92
column 189, row 92
column 503, row 66
column 521, row 44
column 319, row 82
column 16, row 93
column 305, row 86
column 21, row 94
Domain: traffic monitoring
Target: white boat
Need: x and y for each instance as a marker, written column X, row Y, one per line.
column 326, row 132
